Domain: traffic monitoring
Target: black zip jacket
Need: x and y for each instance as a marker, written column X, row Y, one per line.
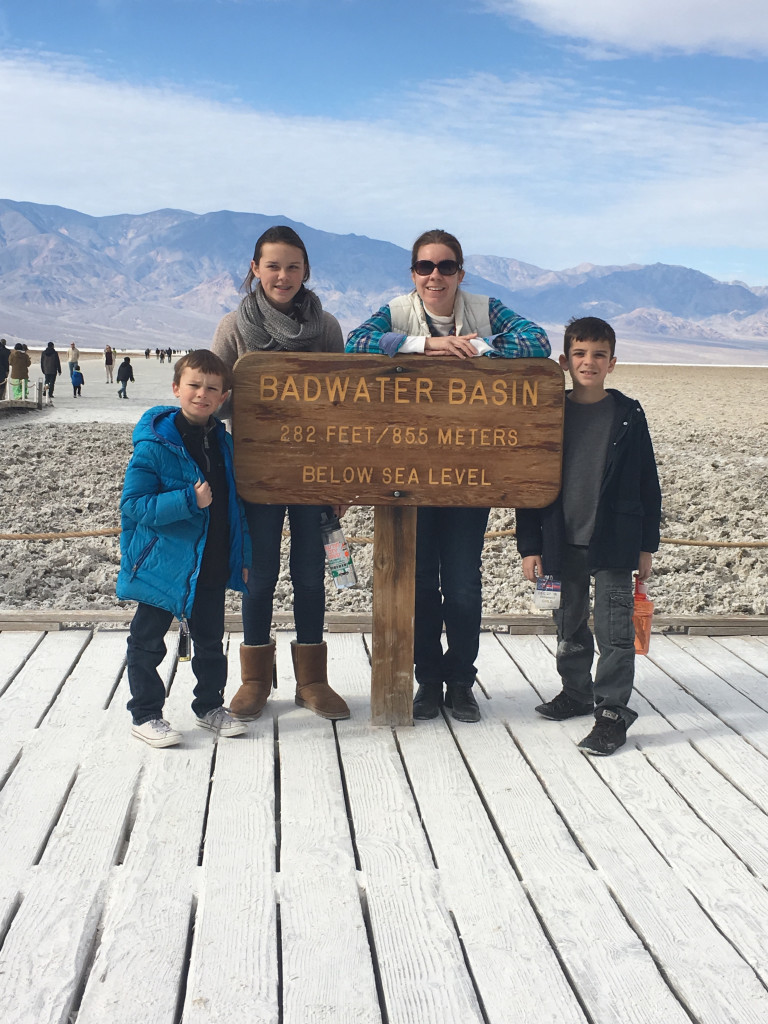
column 628, row 508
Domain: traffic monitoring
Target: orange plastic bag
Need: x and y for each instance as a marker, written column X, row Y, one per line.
column 642, row 618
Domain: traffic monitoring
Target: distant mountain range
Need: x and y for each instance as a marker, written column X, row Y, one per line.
column 168, row 276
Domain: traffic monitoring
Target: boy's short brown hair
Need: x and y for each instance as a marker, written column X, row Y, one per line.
column 588, row 328
column 205, row 361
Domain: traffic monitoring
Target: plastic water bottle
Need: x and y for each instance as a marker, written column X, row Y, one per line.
column 337, row 550
column 643, row 617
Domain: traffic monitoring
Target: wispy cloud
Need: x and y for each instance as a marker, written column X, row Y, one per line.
column 540, row 169
column 738, row 28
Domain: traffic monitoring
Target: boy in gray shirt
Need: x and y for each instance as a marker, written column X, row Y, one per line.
column 605, row 525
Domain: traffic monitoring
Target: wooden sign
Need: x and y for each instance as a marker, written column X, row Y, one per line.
column 416, row 430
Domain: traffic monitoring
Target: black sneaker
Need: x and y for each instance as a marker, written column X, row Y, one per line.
column 428, row 700
column 562, row 706
column 460, row 699
column 608, row 734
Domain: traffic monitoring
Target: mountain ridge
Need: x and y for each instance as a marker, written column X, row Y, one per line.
column 169, row 275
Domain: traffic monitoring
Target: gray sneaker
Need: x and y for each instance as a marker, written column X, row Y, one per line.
column 157, row 733
column 222, row 723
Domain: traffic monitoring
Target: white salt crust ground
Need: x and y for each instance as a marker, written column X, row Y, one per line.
column 62, row 468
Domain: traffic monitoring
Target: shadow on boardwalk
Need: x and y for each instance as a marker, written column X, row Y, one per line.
column 320, row 872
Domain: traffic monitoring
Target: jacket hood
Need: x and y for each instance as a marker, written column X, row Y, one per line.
column 157, row 424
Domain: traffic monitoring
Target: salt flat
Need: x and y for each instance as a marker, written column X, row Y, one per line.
column 335, row 872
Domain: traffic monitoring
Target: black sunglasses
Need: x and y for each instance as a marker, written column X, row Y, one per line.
column 445, row 267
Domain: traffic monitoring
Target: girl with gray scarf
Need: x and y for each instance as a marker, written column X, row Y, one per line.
column 278, row 313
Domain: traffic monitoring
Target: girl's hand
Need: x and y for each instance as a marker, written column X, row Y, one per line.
column 245, row 575
column 454, row 345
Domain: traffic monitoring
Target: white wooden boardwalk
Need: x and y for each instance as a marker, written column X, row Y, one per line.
column 441, row 874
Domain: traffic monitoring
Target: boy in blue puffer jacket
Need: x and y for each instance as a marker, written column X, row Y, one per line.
column 184, row 541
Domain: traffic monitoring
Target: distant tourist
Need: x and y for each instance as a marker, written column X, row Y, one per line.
column 73, row 357
column 604, row 525
column 183, row 542
column 146, row 353
column 50, row 364
column 18, row 370
column 169, row 353
column 438, row 318
column 109, row 363
column 278, row 314
column 4, row 363
column 124, row 374
column 77, row 381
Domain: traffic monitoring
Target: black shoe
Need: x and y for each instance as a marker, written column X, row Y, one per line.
column 608, row 734
column 562, row 707
column 428, row 700
column 460, row 699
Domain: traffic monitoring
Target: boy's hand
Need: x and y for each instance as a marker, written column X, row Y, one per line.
column 203, row 494
column 644, row 564
column 532, row 567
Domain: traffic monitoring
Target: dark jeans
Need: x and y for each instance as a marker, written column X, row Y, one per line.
column 307, row 566
column 146, row 649
column 50, row 383
column 614, row 632
column 123, row 389
column 449, row 548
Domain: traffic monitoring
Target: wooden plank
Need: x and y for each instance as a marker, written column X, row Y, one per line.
column 15, row 649
column 151, row 906
column 394, row 574
column 47, row 950
column 233, row 967
column 728, row 881
column 419, row 957
column 710, row 978
column 38, row 788
column 737, row 711
column 749, row 649
column 76, row 737
column 327, row 967
column 34, row 688
column 739, row 762
column 728, row 666
column 500, row 932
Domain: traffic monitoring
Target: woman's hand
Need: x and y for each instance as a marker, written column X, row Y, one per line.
column 454, row 345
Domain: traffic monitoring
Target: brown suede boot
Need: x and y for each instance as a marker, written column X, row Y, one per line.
column 310, row 666
column 257, row 666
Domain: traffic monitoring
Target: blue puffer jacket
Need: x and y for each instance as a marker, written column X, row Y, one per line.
column 163, row 530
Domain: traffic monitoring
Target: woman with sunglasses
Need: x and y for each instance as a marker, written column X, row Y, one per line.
column 278, row 314
column 438, row 318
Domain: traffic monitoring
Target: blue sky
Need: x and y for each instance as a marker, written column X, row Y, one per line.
column 608, row 132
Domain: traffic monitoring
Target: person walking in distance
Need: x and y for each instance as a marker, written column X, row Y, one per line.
column 124, row 374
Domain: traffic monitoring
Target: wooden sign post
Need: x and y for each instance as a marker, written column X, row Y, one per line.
column 321, row 429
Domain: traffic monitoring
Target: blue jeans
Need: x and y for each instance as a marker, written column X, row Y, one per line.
column 307, row 566
column 614, row 632
column 146, row 649
column 449, row 548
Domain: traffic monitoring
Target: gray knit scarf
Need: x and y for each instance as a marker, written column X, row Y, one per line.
column 264, row 327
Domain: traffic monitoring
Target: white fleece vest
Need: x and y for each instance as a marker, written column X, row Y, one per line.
column 470, row 311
